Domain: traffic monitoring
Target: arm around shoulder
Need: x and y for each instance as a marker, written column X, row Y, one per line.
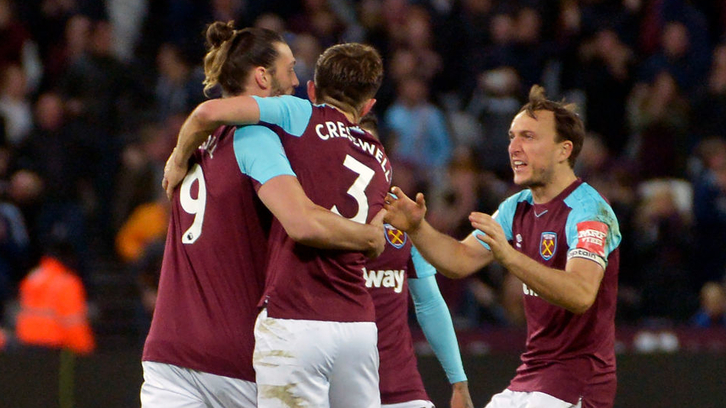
column 309, row 224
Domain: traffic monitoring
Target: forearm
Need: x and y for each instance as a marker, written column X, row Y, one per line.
column 195, row 130
column 323, row 229
column 210, row 115
column 556, row 286
column 450, row 257
column 310, row 224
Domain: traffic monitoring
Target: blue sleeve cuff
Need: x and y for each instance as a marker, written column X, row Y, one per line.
column 290, row 113
column 435, row 321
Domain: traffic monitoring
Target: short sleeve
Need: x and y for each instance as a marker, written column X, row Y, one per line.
column 592, row 228
column 504, row 216
column 260, row 154
column 290, row 113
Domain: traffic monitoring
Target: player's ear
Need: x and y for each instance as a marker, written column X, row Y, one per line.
column 566, row 150
column 262, row 77
column 367, row 107
column 311, row 91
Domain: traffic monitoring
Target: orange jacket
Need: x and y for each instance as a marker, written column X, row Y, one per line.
column 146, row 223
column 53, row 310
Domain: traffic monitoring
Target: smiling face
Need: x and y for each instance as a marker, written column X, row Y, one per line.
column 284, row 79
column 534, row 153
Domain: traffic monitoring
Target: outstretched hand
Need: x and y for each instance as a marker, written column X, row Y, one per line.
column 404, row 213
column 495, row 237
column 173, row 174
column 380, row 242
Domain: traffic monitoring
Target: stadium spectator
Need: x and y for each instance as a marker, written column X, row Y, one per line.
column 418, row 131
column 659, row 117
column 712, row 100
column 15, row 106
column 709, row 194
column 712, row 312
column 53, row 310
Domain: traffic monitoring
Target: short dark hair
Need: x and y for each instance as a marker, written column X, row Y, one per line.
column 348, row 73
column 232, row 54
column 568, row 124
column 369, row 123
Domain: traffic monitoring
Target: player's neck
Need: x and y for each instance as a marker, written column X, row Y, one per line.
column 255, row 91
column 343, row 108
column 543, row 194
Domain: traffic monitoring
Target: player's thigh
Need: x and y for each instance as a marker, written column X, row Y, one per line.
column 293, row 362
column 166, row 386
column 226, row 392
column 410, row 404
column 518, row 399
column 354, row 380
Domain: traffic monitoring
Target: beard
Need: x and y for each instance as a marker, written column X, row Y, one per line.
column 538, row 178
column 277, row 90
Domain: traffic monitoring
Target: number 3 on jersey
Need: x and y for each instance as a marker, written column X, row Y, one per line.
column 357, row 190
column 194, row 206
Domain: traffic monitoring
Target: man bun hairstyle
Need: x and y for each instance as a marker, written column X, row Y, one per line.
column 349, row 74
column 232, row 54
column 568, row 124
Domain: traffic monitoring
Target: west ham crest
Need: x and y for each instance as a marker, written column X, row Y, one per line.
column 395, row 237
column 548, row 245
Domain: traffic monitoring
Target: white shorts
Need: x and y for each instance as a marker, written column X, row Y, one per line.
column 410, row 404
column 536, row 399
column 311, row 363
column 170, row 386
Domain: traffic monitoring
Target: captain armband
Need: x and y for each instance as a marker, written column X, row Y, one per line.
column 583, row 253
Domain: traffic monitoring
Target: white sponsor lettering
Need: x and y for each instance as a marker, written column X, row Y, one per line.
column 591, row 233
column 592, row 240
column 329, row 129
column 528, row 291
column 385, row 278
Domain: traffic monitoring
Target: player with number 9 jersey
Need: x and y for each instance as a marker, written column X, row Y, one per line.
column 215, row 257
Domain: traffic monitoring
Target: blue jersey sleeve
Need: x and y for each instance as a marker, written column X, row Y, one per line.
column 504, row 216
column 423, row 268
column 435, row 321
column 290, row 113
column 588, row 206
column 260, row 154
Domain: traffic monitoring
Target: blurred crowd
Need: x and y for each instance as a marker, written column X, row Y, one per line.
column 93, row 93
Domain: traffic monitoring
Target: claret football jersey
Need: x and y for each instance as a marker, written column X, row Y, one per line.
column 387, row 280
column 212, row 273
column 568, row 356
column 344, row 169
